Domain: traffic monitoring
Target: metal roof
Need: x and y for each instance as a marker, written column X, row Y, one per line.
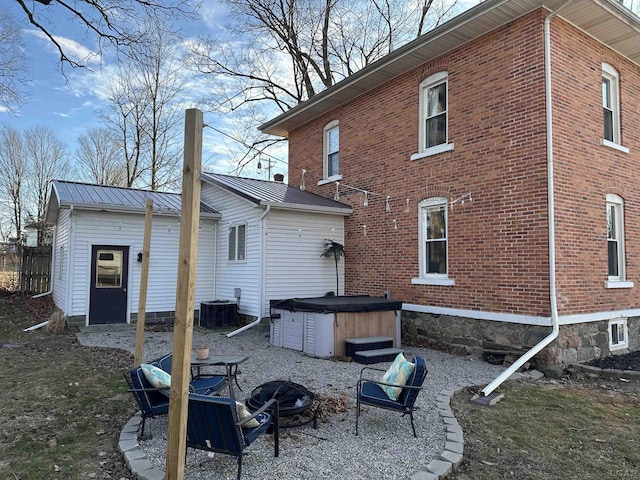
column 276, row 194
column 114, row 199
column 608, row 21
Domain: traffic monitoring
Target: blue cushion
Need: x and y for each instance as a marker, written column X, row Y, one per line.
column 208, row 385
column 373, row 394
column 151, row 402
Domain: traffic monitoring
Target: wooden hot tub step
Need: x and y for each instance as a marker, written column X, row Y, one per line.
column 376, row 356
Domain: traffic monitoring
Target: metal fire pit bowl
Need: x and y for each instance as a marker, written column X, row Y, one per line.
column 293, row 399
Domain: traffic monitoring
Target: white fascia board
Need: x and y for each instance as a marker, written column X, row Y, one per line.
column 308, row 208
column 119, row 209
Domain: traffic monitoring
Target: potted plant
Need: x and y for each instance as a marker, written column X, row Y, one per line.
column 336, row 251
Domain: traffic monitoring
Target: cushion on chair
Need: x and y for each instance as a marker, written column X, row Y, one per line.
column 398, row 374
column 156, row 376
column 244, row 413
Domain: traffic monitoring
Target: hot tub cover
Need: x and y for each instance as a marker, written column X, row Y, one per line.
column 345, row 303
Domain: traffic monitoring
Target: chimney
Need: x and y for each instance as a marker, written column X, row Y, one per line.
column 278, row 177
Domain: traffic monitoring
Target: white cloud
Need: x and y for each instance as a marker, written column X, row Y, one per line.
column 213, row 14
column 74, row 50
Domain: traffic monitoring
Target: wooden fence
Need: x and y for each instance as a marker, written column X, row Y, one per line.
column 35, row 270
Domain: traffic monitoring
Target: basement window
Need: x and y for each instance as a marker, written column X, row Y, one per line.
column 618, row 335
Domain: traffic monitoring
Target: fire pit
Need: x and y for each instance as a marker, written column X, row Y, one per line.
column 293, row 400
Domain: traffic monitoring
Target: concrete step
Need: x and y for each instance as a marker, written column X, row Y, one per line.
column 376, row 356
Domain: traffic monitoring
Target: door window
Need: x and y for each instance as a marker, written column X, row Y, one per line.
column 109, row 269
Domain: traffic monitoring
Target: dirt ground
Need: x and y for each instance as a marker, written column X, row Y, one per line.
column 63, row 405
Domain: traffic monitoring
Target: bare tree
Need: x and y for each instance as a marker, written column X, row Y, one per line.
column 285, row 52
column 144, row 110
column 12, row 181
column 100, row 159
column 110, row 22
column 45, row 155
column 12, row 63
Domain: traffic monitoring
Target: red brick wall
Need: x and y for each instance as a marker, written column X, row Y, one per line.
column 498, row 244
column 585, row 172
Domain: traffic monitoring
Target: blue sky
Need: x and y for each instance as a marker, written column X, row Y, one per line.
column 71, row 105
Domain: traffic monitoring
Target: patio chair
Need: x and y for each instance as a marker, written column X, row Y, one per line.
column 370, row 392
column 154, row 402
column 213, row 425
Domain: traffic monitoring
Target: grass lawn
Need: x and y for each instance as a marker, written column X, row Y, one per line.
column 562, row 430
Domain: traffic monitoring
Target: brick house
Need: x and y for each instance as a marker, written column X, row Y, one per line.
column 469, row 165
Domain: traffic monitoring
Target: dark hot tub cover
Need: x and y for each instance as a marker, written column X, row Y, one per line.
column 355, row 303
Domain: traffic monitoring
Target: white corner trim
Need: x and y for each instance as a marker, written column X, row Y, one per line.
column 433, row 281
column 332, row 179
column 618, row 284
column 613, row 145
column 445, row 147
column 479, row 315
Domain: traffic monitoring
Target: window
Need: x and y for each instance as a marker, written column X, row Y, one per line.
column 109, row 269
column 432, row 241
column 331, row 150
column 615, row 238
column 237, row 243
column 434, row 116
column 611, row 108
column 618, row 338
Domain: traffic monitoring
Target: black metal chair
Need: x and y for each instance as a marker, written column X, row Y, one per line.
column 213, row 425
column 370, row 392
column 154, row 402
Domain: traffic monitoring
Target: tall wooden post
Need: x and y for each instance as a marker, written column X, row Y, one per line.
column 183, row 326
column 144, row 278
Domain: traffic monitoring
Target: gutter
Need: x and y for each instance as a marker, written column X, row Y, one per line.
column 513, row 368
column 260, row 279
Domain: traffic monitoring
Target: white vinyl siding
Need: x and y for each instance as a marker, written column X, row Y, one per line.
column 230, row 275
column 293, row 243
column 61, row 259
column 295, row 266
column 101, row 228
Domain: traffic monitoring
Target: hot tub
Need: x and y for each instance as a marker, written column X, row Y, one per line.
column 319, row 326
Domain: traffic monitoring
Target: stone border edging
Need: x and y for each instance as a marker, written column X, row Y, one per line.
column 141, row 468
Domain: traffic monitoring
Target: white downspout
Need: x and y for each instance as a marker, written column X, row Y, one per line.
column 260, row 277
column 551, row 217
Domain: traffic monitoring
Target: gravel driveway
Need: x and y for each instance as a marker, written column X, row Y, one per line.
column 385, row 447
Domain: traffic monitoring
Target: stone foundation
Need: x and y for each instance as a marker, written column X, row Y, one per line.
column 576, row 343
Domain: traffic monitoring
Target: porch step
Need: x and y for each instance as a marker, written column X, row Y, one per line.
column 353, row 345
column 376, row 356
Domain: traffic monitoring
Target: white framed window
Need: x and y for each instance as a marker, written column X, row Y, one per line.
column 611, row 108
column 433, row 133
column 615, row 243
column 237, row 243
column 618, row 334
column 432, row 241
column 331, row 150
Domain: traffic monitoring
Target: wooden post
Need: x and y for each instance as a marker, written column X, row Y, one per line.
column 144, row 277
column 183, row 326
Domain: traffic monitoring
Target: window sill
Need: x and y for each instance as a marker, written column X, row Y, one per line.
column 334, row 178
column 445, row 147
column 618, row 284
column 619, row 346
column 445, row 281
column 613, row 145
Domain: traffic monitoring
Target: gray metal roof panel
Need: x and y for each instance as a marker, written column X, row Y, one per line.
column 85, row 194
column 265, row 192
column 607, row 21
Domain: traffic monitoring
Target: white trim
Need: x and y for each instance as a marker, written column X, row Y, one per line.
column 522, row 319
column 332, row 125
column 607, row 143
column 427, row 83
column 444, row 147
column 423, row 207
column 617, row 203
column 618, row 284
column 611, row 74
column 620, row 322
column 334, row 178
column 479, row 315
column 433, row 281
